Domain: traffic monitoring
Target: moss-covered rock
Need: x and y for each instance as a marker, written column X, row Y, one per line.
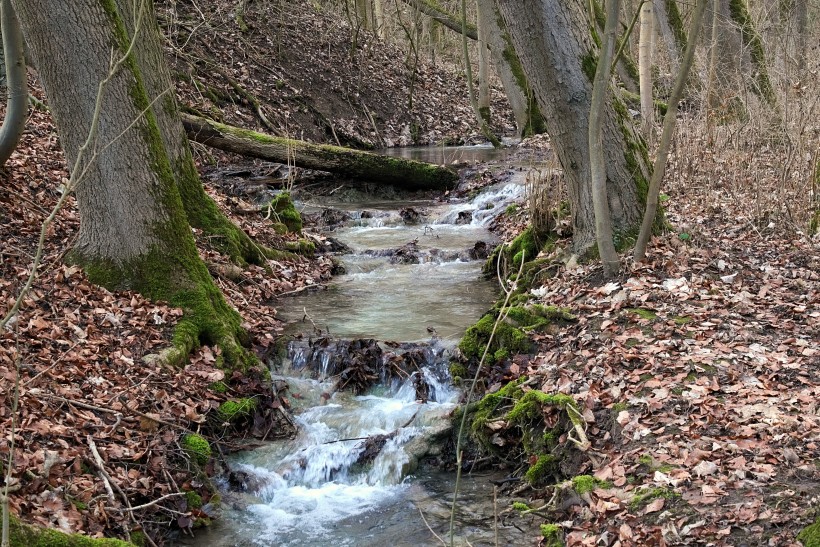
column 30, row 536
column 512, row 333
column 197, row 447
column 236, row 409
column 543, row 468
column 283, row 210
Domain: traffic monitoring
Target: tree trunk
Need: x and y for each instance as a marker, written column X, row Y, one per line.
column 645, row 69
column 483, row 73
column 134, row 233
column 528, row 118
column 468, row 70
column 364, row 166
column 14, row 60
column 600, row 86
column 666, row 136
column 559, row 56
column 724, row 65
column 750, row 38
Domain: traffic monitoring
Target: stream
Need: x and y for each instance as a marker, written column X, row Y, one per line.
column 351, row 476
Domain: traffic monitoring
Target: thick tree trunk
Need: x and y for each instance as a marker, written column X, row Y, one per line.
column 364, row 166
column 554, row 40
column 134, row 233
column 528, row 118
column 14, row 60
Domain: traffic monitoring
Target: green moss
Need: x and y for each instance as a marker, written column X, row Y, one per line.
column 29, row 536
column 682, row 320
column 457, row 370
column 197, row 447
column 810, row 535
column 194, row 500
column 486, row 408
column 587, row 483
column 501, row 355
column 644, row 496
column 218, row 387
column 282, row 208
column 643, row 313
column 535, row 120
column 589, row 64
column 138, row 538
column 748, row 33
column 511, row 334
column 520, row 506
column 529, row 406
column 236, row 409
column 552, row 534
column 541, row 470
column 511, row 209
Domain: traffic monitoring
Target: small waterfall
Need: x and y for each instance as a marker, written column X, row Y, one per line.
column 367, row 411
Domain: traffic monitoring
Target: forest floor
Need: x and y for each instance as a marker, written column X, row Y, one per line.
column 705, row 356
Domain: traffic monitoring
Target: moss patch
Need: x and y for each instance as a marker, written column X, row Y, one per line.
column 542, row 469
column 22, row 534
column 810, row 536
column 587, row 483
column 552, row 535
column 646, row 495
column 197, row 447
column 236, row 409
column 511, row 334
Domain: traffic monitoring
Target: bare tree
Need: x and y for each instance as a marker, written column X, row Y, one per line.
column 560, row 56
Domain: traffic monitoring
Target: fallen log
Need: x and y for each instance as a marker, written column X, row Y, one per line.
column 359, row 165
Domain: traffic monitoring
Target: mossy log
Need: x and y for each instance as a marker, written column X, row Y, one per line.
column 363, row 166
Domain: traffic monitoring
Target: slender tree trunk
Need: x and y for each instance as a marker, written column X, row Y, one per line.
column 482, row 122
column 15, row 63
column 483, row 73
column 560, row 57
column 528, row 118
column 134, row 232
column 645, row 70
column 448, row 20
column 600, row 86
column 666, row 137
column 724, row 65
column 378, row 19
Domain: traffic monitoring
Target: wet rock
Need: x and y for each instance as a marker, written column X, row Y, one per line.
column 407, row 254
column 479, row 251
column 464, row 217
column 332, row 217
column 410, row 215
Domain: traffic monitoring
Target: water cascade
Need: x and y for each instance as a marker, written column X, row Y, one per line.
column 370, row 386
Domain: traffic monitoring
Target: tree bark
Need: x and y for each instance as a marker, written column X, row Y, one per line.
column 134, row 233
column 666, row 136
column 364, row 166
column 600, row 86
column 483, row 73
column 528, row 118
column 559, row 56
column 14, row 59
column 645, row 69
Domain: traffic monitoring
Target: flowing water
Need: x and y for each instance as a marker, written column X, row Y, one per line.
column 350, row 477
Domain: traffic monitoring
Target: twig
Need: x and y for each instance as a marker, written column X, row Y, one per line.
column 438, row 537
column 106, row 478
column 146, row 505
